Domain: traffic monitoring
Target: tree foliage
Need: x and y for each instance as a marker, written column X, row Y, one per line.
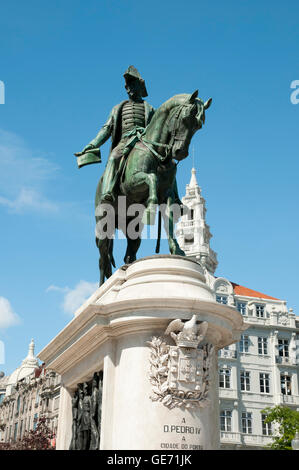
column 286, row 422
column 39, row 438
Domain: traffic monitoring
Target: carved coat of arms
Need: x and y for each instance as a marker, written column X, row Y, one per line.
column 180, row 374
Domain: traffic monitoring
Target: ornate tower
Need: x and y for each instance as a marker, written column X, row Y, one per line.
column 193, row 233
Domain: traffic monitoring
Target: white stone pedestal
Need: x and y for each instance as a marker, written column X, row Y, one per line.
column 112, row 331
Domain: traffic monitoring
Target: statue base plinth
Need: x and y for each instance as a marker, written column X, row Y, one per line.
column 156, row 394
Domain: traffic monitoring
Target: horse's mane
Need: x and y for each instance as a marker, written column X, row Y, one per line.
column 167, row 108
column 174, row 101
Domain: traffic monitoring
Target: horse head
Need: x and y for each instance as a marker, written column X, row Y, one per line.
column 185, row 118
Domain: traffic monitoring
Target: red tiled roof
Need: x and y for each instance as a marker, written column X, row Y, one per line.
column 241, row 290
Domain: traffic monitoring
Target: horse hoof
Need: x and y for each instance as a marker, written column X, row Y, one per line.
column 176, row 250
column 180, row 253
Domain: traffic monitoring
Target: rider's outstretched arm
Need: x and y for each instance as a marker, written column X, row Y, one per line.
column 103, row 135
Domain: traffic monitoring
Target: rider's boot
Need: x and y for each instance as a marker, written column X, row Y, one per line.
column 107, row 184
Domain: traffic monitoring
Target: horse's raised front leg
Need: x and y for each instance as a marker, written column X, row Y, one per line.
column 139, row 180
column 171, row 214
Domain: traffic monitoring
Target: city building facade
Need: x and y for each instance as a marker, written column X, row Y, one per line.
column 261, row 370
column 29, row 393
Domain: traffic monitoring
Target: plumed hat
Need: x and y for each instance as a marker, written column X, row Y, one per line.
column 132, row 72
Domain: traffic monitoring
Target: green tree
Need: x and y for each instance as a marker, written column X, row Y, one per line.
column 286, row 423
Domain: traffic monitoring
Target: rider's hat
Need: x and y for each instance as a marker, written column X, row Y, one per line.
column 132, row 72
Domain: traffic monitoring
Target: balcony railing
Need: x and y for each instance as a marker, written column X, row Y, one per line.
column 289, row 399
column 257, row 397
column 258, row 320
column 187, row 223
column 285, row 361
column 256, row 439
column 228, row 354
column 228, row 436
column 228, row 393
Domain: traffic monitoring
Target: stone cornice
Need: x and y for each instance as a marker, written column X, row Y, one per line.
column 101, row 322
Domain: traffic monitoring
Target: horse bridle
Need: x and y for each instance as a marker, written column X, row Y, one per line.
column 174, row 136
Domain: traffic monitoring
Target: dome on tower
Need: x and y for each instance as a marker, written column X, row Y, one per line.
column 28, row 366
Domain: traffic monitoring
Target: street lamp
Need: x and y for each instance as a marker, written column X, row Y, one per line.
column 295, row 441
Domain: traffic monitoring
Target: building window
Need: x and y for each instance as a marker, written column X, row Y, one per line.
column 262, row 344
column 245, row 381
column 266, row 427
column 244, row 343
column 246, row 422
column 2, row 395
column 15, row 432
column 241, row 306
column 224, row 378
column 264, row 383
column 188, row 240
column 18, row 404
column 191, row 214
column 226, row 420
column 283, row 347
column 35, row 421
column 260, row 310
column 285, row 384
column 221, row 299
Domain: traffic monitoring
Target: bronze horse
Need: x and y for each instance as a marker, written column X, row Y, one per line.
column 147, row 176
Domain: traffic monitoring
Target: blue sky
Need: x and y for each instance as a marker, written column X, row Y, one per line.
column 62, row 64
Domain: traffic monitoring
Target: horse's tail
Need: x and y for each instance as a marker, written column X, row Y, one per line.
column 159, row 232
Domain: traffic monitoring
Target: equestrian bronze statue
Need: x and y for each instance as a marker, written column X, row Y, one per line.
column 141, row 168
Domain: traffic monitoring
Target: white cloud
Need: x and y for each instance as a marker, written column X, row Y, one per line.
column 23, row 176
column 74, row 298
column 28, row 199
column 7, row 315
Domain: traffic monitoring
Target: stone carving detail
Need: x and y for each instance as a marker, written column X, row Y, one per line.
column 180, row 374
column 222, row 288
column 283, row 318
column 86, row 412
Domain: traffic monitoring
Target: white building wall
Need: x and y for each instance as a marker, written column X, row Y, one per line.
column 254, row 400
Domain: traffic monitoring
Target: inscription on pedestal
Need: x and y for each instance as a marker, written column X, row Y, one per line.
column 183, row 431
